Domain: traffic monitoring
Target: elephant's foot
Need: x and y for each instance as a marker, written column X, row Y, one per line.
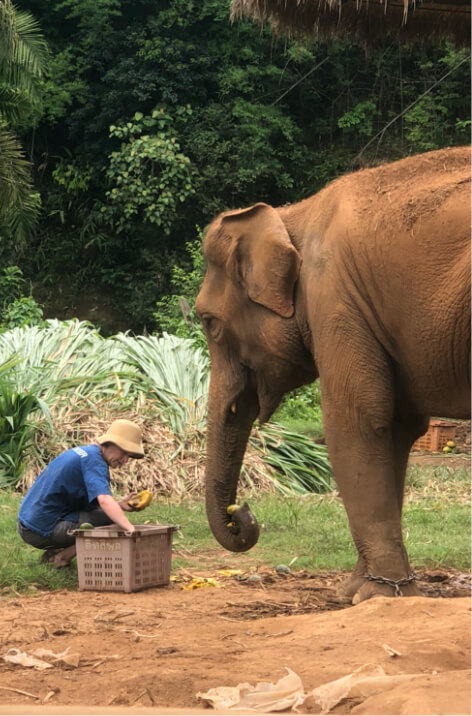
column 350, row 586
column 354, row 582
column 371, row 588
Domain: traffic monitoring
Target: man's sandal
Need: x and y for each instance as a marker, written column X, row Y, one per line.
column 48, row 556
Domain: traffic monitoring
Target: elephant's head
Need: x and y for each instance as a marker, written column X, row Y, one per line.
column 247, row 304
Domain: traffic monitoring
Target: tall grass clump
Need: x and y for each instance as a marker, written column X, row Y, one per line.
column 300, row 466
column 84, row 381
column 175, row 373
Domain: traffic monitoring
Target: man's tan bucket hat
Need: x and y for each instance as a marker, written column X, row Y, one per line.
column 126, row 435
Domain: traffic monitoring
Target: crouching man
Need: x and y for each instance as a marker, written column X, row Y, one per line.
column 75, row 488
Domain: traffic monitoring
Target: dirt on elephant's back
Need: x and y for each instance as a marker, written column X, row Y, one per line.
column 157, row 649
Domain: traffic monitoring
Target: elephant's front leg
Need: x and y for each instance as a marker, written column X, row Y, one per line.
column 362, row 441
column 406, row 428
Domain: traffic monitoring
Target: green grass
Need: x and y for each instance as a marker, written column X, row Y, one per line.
column 309, row 532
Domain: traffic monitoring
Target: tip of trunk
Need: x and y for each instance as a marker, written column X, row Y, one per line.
column 240, row 531
column 245, row 526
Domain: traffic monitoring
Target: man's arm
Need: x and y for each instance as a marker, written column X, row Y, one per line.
column 111, row 508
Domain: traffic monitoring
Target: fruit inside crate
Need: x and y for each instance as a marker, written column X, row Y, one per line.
column 439, row 433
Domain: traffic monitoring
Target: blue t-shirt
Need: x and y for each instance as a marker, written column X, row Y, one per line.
column 68, row 485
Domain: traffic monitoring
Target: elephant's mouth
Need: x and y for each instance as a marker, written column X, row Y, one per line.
column 256, row 399
column 285, row 380
column 268, row 400
column 244, row 401
column 257, row 396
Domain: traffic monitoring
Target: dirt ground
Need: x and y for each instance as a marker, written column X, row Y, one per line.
column 154, row 651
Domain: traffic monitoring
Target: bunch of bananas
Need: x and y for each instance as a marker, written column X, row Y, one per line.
column 141, row 500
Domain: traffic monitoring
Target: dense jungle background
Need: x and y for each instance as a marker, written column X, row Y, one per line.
column 129, row 125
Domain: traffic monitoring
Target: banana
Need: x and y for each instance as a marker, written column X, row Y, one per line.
column 141, row 500
column 232, row 508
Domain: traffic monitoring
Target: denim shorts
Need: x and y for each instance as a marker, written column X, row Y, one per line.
column 60, row 537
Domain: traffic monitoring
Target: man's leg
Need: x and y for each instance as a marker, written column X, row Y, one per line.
column 62, row 543
column 63, row 557
column 59, row 548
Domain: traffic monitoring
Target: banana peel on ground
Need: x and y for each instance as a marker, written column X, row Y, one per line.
column 202, row 582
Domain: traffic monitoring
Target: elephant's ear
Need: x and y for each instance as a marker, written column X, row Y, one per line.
column 263, row 258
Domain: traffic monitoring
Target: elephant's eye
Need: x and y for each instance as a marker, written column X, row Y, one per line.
column 213, row 326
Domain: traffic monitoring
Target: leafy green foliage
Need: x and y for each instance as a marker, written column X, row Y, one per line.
column 19, row 204
column 23, row 62
column 302, row 405
column 12, row 286
column 14, row 174
column 246, row 116
column 23, row 59
column 74, row 178
column 16, row 308
column 359, row 117
column 149, row 175
column 176, row 313
column 176, row 373
column 23, row 312
column 16, row 431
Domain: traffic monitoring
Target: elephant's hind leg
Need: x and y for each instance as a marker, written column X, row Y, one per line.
column 405, row 430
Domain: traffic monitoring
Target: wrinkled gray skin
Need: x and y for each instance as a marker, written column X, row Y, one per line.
column 365, row 285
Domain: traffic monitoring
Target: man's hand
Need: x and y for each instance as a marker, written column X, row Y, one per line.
column 124, row 502
column 115, row 512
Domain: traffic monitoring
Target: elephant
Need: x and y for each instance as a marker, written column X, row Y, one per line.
column 365, row 286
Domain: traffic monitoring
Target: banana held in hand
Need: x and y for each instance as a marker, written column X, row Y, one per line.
column 141, row 500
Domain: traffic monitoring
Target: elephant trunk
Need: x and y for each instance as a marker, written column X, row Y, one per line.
column 236, row 529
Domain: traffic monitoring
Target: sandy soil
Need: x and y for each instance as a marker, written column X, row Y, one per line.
column 153, row 651
column 142, row 652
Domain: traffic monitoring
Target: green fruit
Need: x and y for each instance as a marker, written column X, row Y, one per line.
column 446, row 448
column 86, row 526
column 232, row 508
column 283, row 569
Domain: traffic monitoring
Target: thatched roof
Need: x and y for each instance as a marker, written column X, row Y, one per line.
column 366, row 20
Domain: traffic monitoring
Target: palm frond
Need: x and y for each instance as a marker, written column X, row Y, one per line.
column 24, row 54
column 15, row 179
column 13, row 102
